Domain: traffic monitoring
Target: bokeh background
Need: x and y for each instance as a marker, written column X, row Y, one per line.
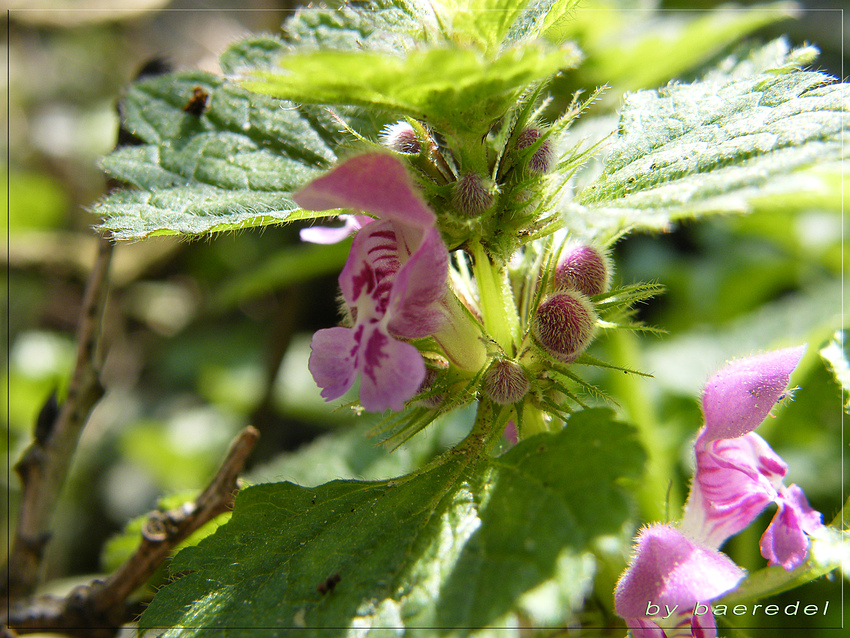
column 206, row 336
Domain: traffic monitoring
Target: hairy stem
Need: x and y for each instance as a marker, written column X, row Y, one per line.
column 501, row 320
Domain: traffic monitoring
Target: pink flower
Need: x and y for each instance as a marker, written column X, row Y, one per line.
column 737, row 473
column 675, row 571
column 669, row 581
column 393, row 281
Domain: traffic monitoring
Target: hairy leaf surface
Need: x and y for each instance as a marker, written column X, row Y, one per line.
column 746, row 135
column 452, row 546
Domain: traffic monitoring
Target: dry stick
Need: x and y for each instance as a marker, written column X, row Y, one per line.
column 43, row 467
column 98, row 610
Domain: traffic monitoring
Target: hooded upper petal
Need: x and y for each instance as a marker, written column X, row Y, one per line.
column 739, row 397
column 376, row 183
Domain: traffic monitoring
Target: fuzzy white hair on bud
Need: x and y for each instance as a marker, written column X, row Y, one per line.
column 564, row 324
column 505, row 382
column 401, row 138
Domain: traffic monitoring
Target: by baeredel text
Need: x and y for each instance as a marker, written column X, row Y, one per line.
column 700, row 609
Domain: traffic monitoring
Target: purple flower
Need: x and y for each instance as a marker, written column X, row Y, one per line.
column 737, row 473
column 393, row 282
column 669, row 581
column 675, row 571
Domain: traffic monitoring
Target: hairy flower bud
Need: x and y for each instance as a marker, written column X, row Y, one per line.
column 583, row 268
column 472, row 195
column 543, row 158
column 505, row 382
column 564, row 324
column 401, row 138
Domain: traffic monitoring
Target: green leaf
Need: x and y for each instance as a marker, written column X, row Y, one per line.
column 451, row 546
column 490, row 25
column 641, row 48
column 231, row 166
column 380, row 25
column 745, row 134
column 459, row 91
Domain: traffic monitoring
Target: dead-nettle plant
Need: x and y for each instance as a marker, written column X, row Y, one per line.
column 481, row 210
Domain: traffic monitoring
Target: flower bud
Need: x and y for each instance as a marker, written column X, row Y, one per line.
column 505, row 382
column 583, row 268
column 401, row 138
column 472, row 195
column 564, row 324
column 543, row 158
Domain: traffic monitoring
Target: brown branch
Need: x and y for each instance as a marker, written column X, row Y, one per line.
column 99, row 609
column 44, row 466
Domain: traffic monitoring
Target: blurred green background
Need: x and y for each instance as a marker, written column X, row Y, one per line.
column 204, row 337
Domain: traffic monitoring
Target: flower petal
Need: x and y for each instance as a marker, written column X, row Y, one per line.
column 334, row 234
column 739, row 397
column 332, row 361
column 670, row 569
column 392, row 370
column 784, row 542
column 703, row 625
column 418, row 288
column 734, row 480
column 367, row 277
column 376, row 183
column 643, row 628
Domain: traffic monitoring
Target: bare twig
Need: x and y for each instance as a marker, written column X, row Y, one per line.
column 44, row 465
column 98, row 610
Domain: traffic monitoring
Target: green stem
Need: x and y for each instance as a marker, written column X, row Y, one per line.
column 498, row 309
column 490, row 421
column 460, row 337
column 659, row 499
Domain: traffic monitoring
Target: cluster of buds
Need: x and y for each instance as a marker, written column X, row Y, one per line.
column 411, row 205
column 478, row 195
column 406, row 305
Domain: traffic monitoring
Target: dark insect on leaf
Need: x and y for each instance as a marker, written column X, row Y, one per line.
column 198, row 102
column 329, row 584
